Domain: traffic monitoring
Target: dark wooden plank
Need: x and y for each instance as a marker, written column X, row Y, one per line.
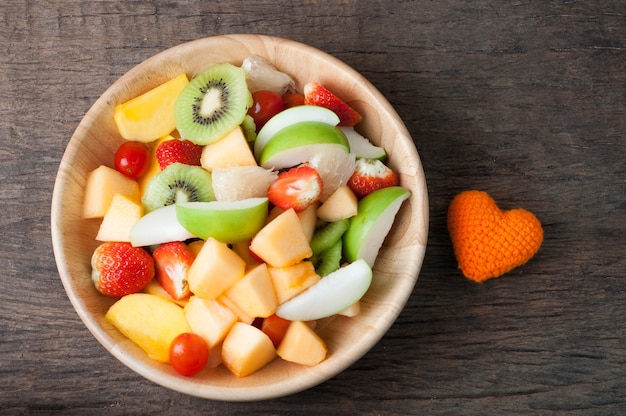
column 524, row 100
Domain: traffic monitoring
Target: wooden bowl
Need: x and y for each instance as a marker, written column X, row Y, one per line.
column 395, row 272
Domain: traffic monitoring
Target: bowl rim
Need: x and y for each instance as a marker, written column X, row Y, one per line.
column 146, row 368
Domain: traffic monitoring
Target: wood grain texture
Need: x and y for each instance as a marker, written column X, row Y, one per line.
column 522, row 99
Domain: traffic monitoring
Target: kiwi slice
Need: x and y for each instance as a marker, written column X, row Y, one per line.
column 326, row 236
column 213, row 103
column 178, row 183
column 328, row 260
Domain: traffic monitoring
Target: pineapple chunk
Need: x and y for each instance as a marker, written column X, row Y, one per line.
column 154, row 165
column 150, row 322
column 209, row 319
column 246, row 349
column 282, row 242
column 340, row 205
column 214, row 270
column 151, row 115
column 302, row 345
column 292, row 280
column 122, row 214
column 231, row 150
column 155, row 288
column 254, row 293
column 102, row 184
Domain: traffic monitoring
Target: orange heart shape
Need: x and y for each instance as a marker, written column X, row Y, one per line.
column 487, row 241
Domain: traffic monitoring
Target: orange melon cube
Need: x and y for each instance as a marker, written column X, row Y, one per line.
column 302, row 345
column 246, row 349
column 215, row 269
column 102, row 184
column 282, row 242
column 292, row 280
column 340, row 204
column 209, row 319
column 122, row 214
column 231, row 150
column 254, row 293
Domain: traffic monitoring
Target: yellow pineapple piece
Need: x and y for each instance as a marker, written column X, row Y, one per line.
column 254, row 293
column 154, row 165
column 151, row 115
column 102, row 184
column 302, row 345
column 246, row 349
column 292, row 280
column 340, row 204
column 231, row 150
column 122, row 214
column 282, row 242
column 215, row 269
column 150, row 322
column 209, row 319
column 155, row 288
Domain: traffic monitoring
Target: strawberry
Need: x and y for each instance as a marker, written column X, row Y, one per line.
column 296, row 188
column 316, row 94
column 370, row 175
column 172, row 261
column 182, row 151
column 119, row 269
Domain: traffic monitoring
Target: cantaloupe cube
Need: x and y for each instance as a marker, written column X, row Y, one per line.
column 231, row 150
column 209, row 319
column 242, row 248
column 150, row 115
column 241, row 315
column 155, row 288
column 302, row 345
column 308, row 220
column 214, row 270
column 292, row 280
column 195, row 246
column 254, row 293
column 102, row 183
column 149, row 321
column 122, row 214
column 282, row 242
column 340, row 204
column 352, row 310
column 246, row 349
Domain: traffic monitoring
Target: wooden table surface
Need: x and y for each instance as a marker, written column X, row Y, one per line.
column 522, row 99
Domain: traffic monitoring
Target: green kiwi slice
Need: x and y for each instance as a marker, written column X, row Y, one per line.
column 178, row 183
column 213, row 103
column 327, row 235
column 328, row 260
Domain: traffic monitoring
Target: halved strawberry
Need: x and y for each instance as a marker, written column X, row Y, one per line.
column 296, row 188
column 119, row 269
column 316, row 94
column 370, row 175
column 181, row 151
column 172, row 262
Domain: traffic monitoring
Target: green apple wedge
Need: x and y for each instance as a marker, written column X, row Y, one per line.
column 289, row 117
column 158, row 226
column 225, row 221
column 334, row 293
column 369, row 227
column 361, row 146
column 297, row 143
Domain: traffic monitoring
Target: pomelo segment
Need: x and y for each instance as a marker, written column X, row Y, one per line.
column 225, row 221
column 368, row 229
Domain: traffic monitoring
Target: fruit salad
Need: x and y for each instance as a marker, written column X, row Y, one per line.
column 237, row 214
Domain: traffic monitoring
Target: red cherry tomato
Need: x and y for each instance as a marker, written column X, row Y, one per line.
column 266, row 104
column 293, row 99
column 132, row 159
column 275, row 327
column 189, row 354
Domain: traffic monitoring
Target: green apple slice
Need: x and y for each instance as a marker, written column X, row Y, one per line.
column 369, row 227
column 158, row 226
column 297, row 143
column 291, row 116
column 331, row 295
column 225, row 221
column 361, row 146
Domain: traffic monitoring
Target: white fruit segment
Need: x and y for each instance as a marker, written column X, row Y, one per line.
column 298, row 155
column 235, row 183
column 289, row 117
column 361, row 146
column 369, row 228
column 262, row 75
column 331, row 295
column 158, row 226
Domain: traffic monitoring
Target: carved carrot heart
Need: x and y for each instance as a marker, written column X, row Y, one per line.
column 487, row 241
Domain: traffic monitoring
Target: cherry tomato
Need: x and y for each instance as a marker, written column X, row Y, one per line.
column 292, row 99
column 189, row 354
column 265, row 105
column 132, row 159
column 275, row 327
